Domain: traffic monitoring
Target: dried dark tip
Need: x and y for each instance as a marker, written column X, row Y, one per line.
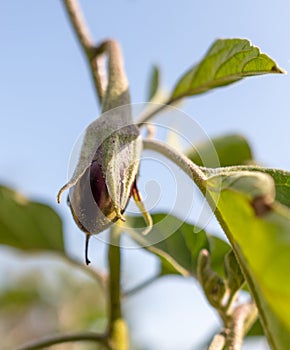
column 87, row 250
column 276, row 69
column 261, row 205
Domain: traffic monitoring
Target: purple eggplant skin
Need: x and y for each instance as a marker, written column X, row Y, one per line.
column 91, row 204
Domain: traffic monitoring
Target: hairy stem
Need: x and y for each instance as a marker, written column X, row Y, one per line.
column 84, row 37
column 239, row 325
column 60, row 339
column 218, row 342
column 231, row 337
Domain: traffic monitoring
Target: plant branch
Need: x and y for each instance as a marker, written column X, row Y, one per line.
column 118, row 334
column 239, row 325
column 218, row 342
column 235, row 328
column 81, row 30
column 79, row 24
column 234, row 168
column 114, row 256
column 60, row 339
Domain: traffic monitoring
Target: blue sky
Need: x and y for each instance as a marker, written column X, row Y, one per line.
column 47, row 97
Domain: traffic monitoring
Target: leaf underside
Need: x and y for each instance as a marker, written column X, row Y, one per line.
column 27, row 225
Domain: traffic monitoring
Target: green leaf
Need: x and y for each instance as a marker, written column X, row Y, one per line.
column 154, row 82
column 179, row 252
column 256, row 330
column 280, row 177
column 231, row 150
column 261, row 240
column 27, row 225
column 227, row 61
